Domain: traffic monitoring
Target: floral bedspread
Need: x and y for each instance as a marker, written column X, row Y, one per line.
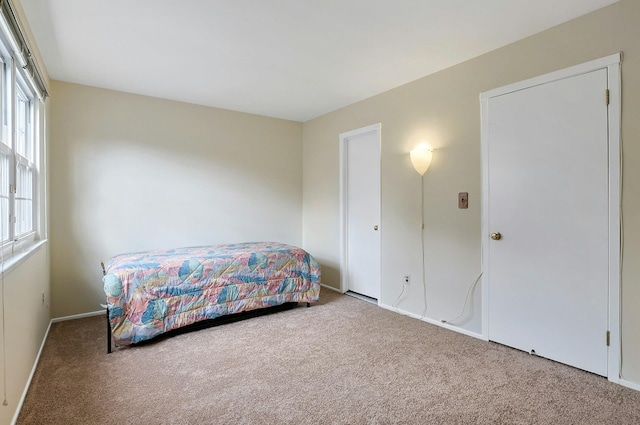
column 149, row 293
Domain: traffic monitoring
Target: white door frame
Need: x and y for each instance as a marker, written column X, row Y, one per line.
column 612, row 64
column 344, row 138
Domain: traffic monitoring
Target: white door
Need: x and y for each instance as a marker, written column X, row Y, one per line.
column 548, row 198
column 361, row 210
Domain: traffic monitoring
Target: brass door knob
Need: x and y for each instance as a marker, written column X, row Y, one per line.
column 496, row 236
column 375, row 227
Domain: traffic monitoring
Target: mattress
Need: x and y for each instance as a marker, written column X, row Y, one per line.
column 149, row 293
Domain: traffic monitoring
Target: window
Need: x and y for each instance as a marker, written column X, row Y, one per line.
column 24, row 165
column 22, row 177
column 19, row 159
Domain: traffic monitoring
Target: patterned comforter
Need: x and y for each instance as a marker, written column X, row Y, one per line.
column 152, row 292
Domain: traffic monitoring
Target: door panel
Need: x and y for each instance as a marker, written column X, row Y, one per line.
column 548, row 197
column 363, row 213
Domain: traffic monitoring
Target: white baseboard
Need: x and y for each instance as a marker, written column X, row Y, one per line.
column 331, row 288
column 78, row 316
column 433, row 322
column 629, row 384
column 33, row 371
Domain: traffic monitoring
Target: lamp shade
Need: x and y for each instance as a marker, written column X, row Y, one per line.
column 421, row 158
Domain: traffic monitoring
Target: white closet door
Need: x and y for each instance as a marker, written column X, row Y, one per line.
column 548, row 198
column 363, row 213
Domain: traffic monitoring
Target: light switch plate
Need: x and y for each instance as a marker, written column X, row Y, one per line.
column 463, row 200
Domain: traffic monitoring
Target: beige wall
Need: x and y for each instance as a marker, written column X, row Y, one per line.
column 27, row 319
column 443, row 109
column 132, row 173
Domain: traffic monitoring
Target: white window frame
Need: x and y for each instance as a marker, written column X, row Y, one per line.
column 13, row 79
column 20, row 90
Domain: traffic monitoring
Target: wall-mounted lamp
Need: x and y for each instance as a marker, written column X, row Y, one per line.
column 421, row 158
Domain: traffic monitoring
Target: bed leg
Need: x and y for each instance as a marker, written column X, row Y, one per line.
column 108, row 333
column 308, row 305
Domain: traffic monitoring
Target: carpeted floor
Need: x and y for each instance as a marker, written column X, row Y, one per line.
column 344, row 361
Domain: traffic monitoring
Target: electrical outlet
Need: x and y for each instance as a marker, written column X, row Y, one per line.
column 406, row 279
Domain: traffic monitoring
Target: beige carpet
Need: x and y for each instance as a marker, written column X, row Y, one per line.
column 343, row 361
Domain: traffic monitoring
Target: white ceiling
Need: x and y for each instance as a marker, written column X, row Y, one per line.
column 293, row 59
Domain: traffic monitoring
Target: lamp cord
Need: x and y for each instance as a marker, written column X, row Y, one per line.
column 395, row 305
column 424, row 280
column 424, row 277
column 466, row 300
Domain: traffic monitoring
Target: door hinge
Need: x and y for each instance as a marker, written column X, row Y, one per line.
column 608, row 338
column 606, row 96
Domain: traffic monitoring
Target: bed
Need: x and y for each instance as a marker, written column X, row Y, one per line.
column 154, row 292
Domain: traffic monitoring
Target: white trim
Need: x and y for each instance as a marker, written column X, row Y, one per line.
column 612, row 64
column 331, row 288
column 78, row 316
column 554, row 76
column 629, row 384
column 33, row 371
column 615, row 211
column 344, row 137
column 484, row 227
column 431, row 321
column 343, row 216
